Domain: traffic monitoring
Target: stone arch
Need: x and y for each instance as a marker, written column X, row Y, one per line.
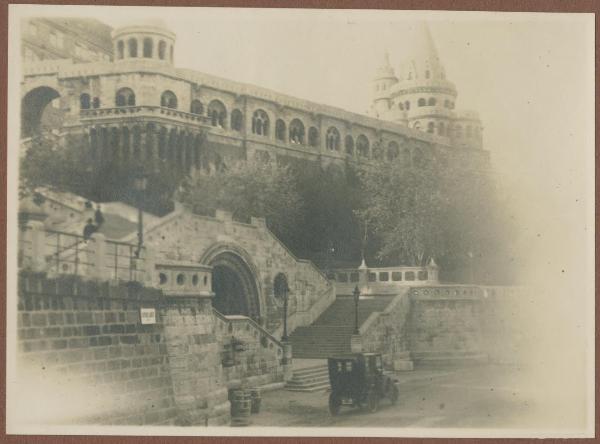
column 235, row 281
column 33, row 105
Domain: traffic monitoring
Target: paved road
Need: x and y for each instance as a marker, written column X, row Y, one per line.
column 478, row 397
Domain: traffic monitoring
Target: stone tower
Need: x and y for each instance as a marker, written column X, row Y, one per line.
column 149, row 40
column 382, row 85
column 424, row 93
column 419, row 95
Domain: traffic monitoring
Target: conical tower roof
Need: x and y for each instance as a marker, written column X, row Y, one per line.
column 385, row 70
column 421, row 63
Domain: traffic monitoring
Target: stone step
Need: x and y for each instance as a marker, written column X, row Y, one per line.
column 314, row 388
column 311, row 371
column 308, row 381
column 331, row 333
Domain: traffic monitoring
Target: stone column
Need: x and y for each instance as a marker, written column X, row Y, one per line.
column 356, row 344
column 38, row 245
column 432, row 271
column 287, row 362
column 363, row 278
column 200, row 395
column 96, row 253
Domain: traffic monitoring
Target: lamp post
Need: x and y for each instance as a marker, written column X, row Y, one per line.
column 356, row 294
column 285, row 295
column 140, row 183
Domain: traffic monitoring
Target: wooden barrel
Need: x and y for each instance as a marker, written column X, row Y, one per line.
column 256, row 400
column 241, row 404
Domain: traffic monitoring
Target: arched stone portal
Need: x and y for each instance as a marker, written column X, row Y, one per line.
column 234, row 286
column 33, row 107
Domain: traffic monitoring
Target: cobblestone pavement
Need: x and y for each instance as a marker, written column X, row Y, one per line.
column 477, row 397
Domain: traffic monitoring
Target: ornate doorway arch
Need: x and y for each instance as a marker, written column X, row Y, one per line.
column 233, row 282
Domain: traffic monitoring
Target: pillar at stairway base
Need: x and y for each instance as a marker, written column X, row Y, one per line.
column 356, row 344
column 402, row 362
column 402, row 365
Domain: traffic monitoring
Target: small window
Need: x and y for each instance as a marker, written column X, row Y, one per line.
column 180, row 279
column 125, row 97
column 407, row 105
column 431, row 102
column 162, row 278
column 168, row 100
column 148, row 47
column 396, row 276
column 333, row 139
column 422, row 102
column 409, row 276
column 384, row 276
column 372, row 277
column 132, row 43
column 96, row 102
column 195, row 280
column 422, row 275
column 84, row 101
column 427, row 74
column 362, row 146
column 296, row 132
column 260, row 123
column 342, row 277
column 354, row 276
column 217, row 113
column 162, row 49
column 430, row 127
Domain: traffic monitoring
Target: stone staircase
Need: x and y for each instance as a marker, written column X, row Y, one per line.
column 330, row 334
column 309, row 379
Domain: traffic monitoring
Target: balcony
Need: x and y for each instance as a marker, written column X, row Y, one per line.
column 142, row 112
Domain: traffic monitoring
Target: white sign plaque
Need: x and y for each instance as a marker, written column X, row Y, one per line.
column 148, row 315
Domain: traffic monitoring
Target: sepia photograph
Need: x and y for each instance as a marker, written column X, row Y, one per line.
column 300, row 222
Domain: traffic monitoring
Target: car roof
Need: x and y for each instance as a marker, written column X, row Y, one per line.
column 353, row 355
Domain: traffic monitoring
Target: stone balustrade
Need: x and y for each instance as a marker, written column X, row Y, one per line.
column 141, row 111
column 183, row 278
column 382, row 280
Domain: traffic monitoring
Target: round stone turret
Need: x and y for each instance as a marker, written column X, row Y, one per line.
column 382, row 85
column 423, row 93
column 150, row 40
column 467, row 131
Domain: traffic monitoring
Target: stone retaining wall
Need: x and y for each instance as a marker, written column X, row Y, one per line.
column 85, row 356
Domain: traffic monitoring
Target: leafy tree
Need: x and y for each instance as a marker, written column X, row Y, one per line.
column 249, row 189
column 450, row 213
column 405, row 208
column 65, row 165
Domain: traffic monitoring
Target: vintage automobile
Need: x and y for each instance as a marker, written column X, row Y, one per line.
column 358, row 380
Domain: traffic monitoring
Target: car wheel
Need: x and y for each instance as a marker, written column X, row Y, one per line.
column 334, row 404
column 372, row 402
column 394, row 394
